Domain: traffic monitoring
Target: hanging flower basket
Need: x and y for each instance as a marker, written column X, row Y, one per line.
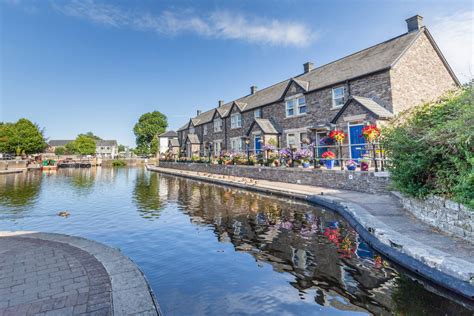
column 371, row 133
column 337, row 135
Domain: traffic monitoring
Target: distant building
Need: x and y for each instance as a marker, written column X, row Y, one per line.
column 103, row 148
column 165, row 140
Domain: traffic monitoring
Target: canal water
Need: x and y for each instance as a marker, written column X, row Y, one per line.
column 208, row 249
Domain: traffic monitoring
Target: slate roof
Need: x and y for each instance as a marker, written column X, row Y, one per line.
column 59, row 142
column 174, row 142
column 378, row 110
column 266, row 126
column 103, row 142
column 370, row 60
column 193, row 139
column 168, row 134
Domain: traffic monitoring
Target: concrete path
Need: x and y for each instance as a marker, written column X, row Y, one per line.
column 9, row 171
column 53, row 274
column 380, row 215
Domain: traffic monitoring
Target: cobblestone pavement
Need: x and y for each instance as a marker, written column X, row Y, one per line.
column 39, row 277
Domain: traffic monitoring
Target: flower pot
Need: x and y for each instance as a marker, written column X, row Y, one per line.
column 329, row 164
column 305, row 164
column 364, row 166
column 351, row 167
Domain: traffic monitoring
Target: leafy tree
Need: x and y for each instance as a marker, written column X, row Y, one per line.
column 149, row 125
column 70, row 148
column 84, row 145
column 91, row 135
column 59, row 151
column 121, row 148
column 21, row 137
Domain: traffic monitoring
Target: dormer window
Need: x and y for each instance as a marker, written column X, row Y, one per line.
column 217, row 125
column 204, row 129
column 338, row 97
column 296, row 106
column 236, row 120
column 191, row 130
column 257, row 113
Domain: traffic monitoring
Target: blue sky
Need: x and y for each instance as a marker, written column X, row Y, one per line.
column 78, row 66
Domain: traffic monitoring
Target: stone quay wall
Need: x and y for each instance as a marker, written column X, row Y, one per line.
column 12, row 164
column 446, row 215
column 368, row 182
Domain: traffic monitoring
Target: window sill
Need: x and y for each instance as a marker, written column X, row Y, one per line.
column 336, row 107
column 232, row 128
column 296, row 115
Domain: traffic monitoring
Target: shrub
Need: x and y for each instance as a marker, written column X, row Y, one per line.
column 431, row 148
column 119, row 163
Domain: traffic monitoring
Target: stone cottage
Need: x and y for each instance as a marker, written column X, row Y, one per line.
column 369, row 86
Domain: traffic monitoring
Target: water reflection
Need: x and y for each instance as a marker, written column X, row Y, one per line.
column 146, row 195
column 20, row 190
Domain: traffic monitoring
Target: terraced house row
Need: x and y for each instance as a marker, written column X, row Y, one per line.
column 369, row 86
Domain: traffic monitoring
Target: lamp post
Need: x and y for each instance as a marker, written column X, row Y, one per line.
column 247, row 147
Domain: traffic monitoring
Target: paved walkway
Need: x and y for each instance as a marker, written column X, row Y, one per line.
column 52, row 274
column 381, row 215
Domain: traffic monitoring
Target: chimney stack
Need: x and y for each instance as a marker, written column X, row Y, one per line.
column 198, row 112
column 414, row 23
column 253, row 89
column 308, row 67
column 221, row 103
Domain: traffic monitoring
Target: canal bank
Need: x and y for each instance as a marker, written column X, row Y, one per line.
column 66, row 275
column 382, row 222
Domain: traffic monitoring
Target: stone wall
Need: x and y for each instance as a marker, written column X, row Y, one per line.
column 419, row 76
column 12, row 164
column 446, row 215
column 368, row 182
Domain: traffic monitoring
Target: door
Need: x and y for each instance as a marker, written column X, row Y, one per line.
column 357, row 142
column 258, row 143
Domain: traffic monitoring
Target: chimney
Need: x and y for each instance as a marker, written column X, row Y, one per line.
column 253, row 89
column 221, row 103
column 307, row 67
column 198, row 112
column 414, row 23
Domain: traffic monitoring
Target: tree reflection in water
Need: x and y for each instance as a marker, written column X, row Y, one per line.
column 316, row 246
column 146, row 195
column 20, row 190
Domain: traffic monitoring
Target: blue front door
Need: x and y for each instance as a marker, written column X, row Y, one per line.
column 258, row 144
column 357, row 142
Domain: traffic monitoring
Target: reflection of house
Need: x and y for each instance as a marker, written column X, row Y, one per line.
column 165, row 139
column 369, row 86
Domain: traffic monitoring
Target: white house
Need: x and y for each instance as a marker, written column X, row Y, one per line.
column 165, row 138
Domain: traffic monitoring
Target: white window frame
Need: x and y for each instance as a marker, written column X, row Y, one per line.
column 217, row 144
column 238, row 141
column 295, row 143
column 259, row 111
column 217, row 125
column 343, row 97
column 235, row 120
column 295, row 106
column 204, row 129
column 192, row 130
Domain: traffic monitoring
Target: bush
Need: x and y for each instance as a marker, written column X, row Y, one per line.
column 119, row 163
column 59, row 151
column 431, row 148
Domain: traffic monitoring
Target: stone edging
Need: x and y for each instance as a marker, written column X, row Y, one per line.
column 131, row 293
column 378, row 235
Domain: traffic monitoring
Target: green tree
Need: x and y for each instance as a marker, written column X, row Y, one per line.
column 149, row 125
column 59, row 151
column 84, row 145
column 91, row 135
column 70, row 148
column 121, row 148
column 21, row 137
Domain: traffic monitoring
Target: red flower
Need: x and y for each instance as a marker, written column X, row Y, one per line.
column 337, row 135
column 328, row 155
column 371, row 132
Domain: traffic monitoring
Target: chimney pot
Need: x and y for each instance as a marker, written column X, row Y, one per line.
column 414, row 23
column 198, row 112
column 221, row 103
column 308, row 67
column 253, row 89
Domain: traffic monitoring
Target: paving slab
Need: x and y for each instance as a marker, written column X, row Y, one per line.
column 382, row 221
column 55, row 274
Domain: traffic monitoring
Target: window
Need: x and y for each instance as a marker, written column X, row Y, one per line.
column 303, row 136
column 204, row 129
column 191, row 130
column 291, row 139
column 217, row 125
column 235, row 120
column 296, row 106
column 217, row 148
column 338, row 97
column 236, row 144
column 257, row 113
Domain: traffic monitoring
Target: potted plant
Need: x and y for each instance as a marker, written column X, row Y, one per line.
column 351, row 165
column 337, row 135
column 303, row 156
column 329, row 157
column 364, row 163
column 371, row 133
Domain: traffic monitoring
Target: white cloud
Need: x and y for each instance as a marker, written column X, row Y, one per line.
column 218, row 24
column 454, row 34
